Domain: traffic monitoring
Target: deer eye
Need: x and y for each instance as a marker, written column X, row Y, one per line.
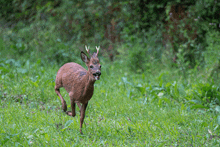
column 91, row 66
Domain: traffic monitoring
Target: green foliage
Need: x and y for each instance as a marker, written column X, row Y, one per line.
column 141, row 54
column 141, row 22
column 25, row 10
column 212, row 55
column 136, row 58
column 205, row 94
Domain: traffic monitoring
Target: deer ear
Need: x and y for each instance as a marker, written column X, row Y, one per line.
column 84, row 57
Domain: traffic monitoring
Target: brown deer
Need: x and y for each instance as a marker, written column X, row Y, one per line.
column 78, row 82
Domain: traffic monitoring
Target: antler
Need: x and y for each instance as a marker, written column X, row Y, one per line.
column 87, row 49
column 97, row 48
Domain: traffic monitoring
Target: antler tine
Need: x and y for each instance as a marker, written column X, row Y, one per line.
column 87, row 49
column 97, row 48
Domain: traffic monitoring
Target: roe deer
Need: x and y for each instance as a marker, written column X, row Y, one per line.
column 78, row 82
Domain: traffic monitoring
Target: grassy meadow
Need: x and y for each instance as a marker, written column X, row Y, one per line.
column 160, row 106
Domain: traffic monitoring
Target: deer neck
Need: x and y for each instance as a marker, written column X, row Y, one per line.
column 89, row 83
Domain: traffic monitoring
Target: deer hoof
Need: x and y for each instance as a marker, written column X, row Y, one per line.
column 81, row 132
column 70, row 113
column 64, row 107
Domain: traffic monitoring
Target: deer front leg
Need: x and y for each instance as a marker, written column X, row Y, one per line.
column 82, row 115
column 73, row 105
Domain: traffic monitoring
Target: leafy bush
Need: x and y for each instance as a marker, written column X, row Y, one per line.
column 205, row 94
column 212, row 55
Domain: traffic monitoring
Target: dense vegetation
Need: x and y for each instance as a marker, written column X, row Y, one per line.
column 160, row 72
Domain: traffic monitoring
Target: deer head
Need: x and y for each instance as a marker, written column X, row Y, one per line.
column 94, row 67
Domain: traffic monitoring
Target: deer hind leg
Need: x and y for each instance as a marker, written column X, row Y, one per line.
column 64, row 106
column 82, row 115
column 73, row 105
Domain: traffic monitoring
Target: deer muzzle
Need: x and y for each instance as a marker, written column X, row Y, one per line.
column 97, row 75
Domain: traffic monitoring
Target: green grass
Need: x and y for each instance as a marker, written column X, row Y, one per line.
column 119, row 113
column 130, row 124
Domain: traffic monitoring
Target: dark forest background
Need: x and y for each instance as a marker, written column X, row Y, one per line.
column 154, row 27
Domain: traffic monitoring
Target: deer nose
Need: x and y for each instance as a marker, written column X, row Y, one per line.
column 98, row 73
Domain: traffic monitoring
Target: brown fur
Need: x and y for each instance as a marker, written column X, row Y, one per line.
column 79, row 83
